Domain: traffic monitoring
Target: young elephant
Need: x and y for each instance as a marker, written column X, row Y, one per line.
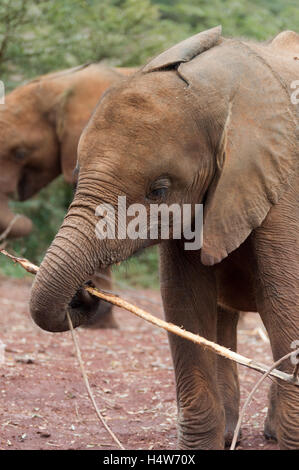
column 209, row 121
column 40, row 126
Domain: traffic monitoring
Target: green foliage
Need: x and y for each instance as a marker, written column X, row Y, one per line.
column 139, row 271
column 47, row 35
column 40, row 36
column 257, row 19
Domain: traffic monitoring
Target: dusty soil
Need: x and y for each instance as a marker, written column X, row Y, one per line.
column 43, row 400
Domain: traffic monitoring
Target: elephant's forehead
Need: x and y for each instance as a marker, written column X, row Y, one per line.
column 143, row 95
column 8, row 127
column 15, row 129
column 19, row 109
column 142, row 117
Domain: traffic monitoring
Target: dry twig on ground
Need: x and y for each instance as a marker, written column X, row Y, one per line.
column 85, row 378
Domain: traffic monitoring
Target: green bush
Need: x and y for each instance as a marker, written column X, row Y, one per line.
column 40, row 36
column 257, row 19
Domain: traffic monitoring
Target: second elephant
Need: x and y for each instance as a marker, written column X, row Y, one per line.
column 40, row 126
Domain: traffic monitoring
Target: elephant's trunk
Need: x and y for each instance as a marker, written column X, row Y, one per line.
column 69, row 262
column 17, row 227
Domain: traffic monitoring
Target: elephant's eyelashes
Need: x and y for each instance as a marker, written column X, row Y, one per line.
column 158, row 189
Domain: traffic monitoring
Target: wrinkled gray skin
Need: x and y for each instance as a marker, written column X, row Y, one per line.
column 209, row 121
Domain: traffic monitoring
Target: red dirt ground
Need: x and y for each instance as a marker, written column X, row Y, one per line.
column 43, row 400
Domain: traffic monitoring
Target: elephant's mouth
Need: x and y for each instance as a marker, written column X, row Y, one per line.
column 23, row 189
column 29, row 184
column 96, row 311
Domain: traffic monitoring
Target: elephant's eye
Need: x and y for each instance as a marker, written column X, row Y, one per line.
column 158, row 189
column 20, row 154
column 157, row 193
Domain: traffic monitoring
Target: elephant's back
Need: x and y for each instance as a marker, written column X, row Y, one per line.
column 282, row 56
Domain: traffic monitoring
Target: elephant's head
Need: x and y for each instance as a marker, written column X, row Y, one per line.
column 193, row 126
column 29, row 152
column 40, row 126
column 24, row 137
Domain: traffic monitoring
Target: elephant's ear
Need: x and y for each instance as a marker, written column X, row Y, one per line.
column 68, row 128
column 55, row 100
column 257, row 149
column 185, row 50
column 287, row 40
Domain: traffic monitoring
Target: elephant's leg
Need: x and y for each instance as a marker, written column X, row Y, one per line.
column 102, row 316
column 277, row 292
column 282, row 421
column 270, row 423
column 228, row 379
column 189, row 297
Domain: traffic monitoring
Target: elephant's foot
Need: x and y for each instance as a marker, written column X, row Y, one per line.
column 231, row 399
column 270, row 430
column 202, row 428
column 287, row 416
column 270, row 422
column 210, row 440
column 230, row 426
column 287, row 424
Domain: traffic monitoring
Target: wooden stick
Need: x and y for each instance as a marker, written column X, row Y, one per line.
column 27, row 265
column 171, row 328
